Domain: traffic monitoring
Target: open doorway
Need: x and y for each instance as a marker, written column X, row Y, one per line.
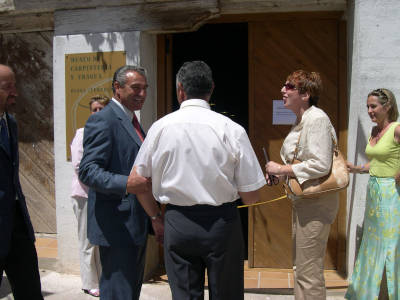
column 224, row 47
column 250, row 60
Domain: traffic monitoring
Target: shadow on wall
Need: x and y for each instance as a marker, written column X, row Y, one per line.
column 96, row 40
column 361, row 143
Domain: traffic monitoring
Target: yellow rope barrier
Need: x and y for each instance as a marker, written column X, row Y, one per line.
column 264, row 202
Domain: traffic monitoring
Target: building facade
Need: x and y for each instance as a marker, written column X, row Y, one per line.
column 251, row 46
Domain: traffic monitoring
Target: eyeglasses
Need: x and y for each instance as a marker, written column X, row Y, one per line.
column 290, row 86
column 272, row 180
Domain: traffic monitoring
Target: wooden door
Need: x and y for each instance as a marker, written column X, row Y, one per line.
column 277, row 48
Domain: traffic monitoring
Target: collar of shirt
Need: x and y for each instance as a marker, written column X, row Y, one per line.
column 304, row 117
column 195, row 102
column 307, row 112
column 124, row 108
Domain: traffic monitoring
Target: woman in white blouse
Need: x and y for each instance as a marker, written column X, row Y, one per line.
column 313, row 134
column 89, row 254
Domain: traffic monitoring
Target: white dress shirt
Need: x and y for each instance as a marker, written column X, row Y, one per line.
column 197, row 156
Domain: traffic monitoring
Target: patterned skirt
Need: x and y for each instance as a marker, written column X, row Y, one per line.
column 380, row 244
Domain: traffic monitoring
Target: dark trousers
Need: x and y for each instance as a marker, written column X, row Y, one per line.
column 21, row 262
column 122, row 272
column 204, row 237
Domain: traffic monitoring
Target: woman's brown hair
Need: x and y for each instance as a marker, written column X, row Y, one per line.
column 307, row 82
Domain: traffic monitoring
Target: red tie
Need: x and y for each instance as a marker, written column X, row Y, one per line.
column 135, row 123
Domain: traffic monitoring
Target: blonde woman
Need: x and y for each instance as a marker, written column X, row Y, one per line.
column 380, row 247
column 88, row 253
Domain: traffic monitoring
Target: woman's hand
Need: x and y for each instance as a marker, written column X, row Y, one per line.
column 272, row 179
column 273, row 168
column 357, row 169
column 351, row 167
column 397, row 178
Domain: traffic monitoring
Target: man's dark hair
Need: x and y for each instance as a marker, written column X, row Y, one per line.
column 120, row 74
column 196, row 79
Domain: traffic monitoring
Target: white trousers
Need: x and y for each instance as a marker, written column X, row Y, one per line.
column 89, row 254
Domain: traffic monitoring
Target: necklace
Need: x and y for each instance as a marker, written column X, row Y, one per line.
column 379, row 134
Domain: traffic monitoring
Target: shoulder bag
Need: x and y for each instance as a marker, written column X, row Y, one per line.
column 336, row 180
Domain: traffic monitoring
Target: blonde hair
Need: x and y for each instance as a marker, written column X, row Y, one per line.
column 386, row 97
column 103, row 100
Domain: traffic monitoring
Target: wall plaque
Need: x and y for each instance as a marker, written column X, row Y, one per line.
column 86, row 75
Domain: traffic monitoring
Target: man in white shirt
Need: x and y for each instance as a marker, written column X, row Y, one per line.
column 200, row 162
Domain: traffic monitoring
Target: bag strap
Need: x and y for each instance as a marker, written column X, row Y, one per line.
column 296, row 150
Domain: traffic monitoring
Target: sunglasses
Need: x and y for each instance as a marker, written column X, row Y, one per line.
column 290, row 86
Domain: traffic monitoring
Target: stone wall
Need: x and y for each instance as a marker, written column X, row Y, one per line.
column 31, row 57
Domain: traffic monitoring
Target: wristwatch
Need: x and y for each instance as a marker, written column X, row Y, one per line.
column 156, row 216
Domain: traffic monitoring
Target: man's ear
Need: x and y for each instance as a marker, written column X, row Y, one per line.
column 116, row 85
column 180, row 93
column 212, row 88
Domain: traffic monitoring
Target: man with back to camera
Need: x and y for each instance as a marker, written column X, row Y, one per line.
column 116, row 221
column 18, row 256
column 200, row 162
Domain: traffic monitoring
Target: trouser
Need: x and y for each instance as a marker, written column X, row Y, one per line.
column 204, row 237
column 310, row 238
column 122, row 271
column 21, row 263
column 88, row 254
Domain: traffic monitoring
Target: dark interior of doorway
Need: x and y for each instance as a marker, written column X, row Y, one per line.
column 224, row 47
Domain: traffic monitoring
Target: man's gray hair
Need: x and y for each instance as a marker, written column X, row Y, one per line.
column 120, row 74
column 196, row 79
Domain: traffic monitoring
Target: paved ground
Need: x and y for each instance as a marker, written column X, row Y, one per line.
column 58, row 286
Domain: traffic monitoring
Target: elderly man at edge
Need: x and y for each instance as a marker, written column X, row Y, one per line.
column 200, row 162
column 18, row 256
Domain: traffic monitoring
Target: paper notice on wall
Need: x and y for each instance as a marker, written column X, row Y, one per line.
column 282, row 115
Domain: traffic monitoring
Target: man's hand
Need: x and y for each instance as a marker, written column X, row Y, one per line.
column 137, row 184
column 158, row 227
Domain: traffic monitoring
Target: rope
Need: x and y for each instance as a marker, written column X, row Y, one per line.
column 264, row 202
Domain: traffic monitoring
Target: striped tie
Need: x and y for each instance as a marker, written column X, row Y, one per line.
column 135, row 123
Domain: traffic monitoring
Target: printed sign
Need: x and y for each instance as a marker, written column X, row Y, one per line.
column 281, row 115
column 87, row 75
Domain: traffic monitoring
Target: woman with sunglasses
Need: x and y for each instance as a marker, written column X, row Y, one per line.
column 313, row 136
column 380, row 247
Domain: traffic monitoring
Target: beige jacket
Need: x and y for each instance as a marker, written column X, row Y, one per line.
column 315, row 151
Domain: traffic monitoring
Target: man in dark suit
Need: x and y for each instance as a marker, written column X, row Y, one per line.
column 18, row 256
column 116, row 220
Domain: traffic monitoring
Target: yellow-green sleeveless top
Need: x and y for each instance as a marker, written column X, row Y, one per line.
column 384, row 157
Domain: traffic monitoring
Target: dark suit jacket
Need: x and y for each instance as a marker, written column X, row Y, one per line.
column 110, row 146
column 10, row 187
